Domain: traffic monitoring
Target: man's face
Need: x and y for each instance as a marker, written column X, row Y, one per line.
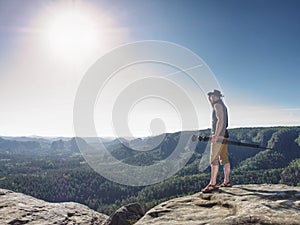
column 213, row 98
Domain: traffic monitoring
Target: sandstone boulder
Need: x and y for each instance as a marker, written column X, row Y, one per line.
column 17, row 208
column 126, row 215
column 241, row 204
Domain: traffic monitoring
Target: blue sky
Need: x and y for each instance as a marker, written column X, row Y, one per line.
column 252, row 47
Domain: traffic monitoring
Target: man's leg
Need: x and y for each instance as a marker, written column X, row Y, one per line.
column 214, row 162
column 214, row 174
column 226, row 168
column 226, row 164
column 213, row 180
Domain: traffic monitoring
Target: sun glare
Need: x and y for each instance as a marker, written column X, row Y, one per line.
column 72, row 33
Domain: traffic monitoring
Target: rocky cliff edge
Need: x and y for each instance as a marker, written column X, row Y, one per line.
column 240, row 204
column 17, row 208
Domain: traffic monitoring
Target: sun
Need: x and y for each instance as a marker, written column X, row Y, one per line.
column 71, row 33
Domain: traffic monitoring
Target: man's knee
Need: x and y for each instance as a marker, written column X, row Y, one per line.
column 224, row 161
column 214, row 162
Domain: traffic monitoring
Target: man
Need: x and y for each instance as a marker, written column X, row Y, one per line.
column 219, row 150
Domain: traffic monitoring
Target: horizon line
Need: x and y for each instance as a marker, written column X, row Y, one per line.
column 141, row 136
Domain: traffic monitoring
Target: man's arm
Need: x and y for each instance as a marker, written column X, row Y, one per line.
column 220, row 124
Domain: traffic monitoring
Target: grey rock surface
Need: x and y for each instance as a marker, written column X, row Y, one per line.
column 126, row 215
column 238, row 205
column 17, row 208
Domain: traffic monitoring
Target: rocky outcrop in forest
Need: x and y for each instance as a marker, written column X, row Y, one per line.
column 241, row 204
column 17, row 208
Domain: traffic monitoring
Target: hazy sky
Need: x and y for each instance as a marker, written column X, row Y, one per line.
column 46, row 47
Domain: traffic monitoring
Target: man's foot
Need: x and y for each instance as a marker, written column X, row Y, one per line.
column 225, row 184
column 210, row 188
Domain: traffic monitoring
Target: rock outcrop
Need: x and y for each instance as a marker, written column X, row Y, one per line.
column 238, row 205
column 126, row 215
column 17, row 208
column 241, row 204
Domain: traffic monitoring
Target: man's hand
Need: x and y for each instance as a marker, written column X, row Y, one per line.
column 214, row 138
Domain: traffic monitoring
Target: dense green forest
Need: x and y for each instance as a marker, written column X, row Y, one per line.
column 54, row 170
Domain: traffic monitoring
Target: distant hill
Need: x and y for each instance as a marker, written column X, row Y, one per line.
column 35, row 138
column 36, row 146
column 10, row 147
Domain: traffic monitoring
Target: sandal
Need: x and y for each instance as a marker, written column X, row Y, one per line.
column 210, row 188
column 228, row 184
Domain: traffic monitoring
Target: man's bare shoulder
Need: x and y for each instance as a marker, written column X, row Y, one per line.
column 218, row 106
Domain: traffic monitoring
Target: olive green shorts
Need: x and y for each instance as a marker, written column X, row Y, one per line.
column 219, row 152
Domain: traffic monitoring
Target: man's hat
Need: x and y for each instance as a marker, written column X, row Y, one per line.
column 216, row 93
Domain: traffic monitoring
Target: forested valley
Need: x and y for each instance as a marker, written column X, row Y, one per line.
column 54, row 169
